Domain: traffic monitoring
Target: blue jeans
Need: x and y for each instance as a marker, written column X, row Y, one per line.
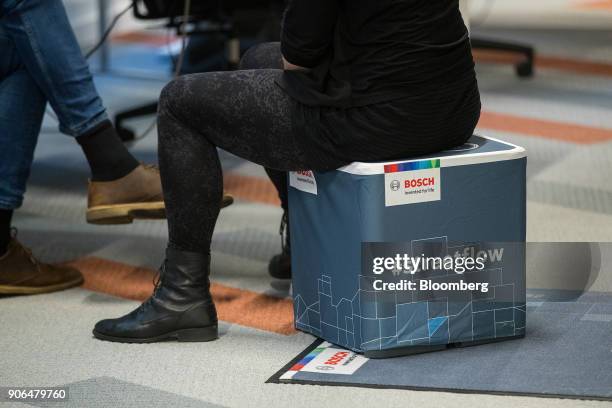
column 40, row 62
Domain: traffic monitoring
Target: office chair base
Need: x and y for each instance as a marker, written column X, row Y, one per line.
column 525, row 68
column 126, row 134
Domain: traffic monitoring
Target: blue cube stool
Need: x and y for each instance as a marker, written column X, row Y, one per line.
column 463, row 201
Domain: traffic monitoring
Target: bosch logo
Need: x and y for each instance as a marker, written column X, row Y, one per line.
column 325, row 368
column 420, row 182
column 337, row 358
column 305, row 173
column 395, row 185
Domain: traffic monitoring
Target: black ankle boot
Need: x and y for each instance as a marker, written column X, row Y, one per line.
column 280, row 265
column 181, row 307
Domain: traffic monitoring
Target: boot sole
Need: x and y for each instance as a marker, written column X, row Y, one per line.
column 37, row 290
column 202, row 334
column 126, row 213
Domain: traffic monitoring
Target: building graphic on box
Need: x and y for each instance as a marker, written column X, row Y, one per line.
column 376, row 320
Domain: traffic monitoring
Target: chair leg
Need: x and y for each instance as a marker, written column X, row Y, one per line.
column 124, row 133
column 525, row 68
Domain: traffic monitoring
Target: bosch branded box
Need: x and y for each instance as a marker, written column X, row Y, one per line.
column 412, row 256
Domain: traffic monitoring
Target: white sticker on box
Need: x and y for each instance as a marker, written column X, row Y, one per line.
column 335, row 361
column 412, row 182
column 304, row 181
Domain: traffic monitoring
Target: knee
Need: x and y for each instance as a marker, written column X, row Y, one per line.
column 170, row 93
column 173, row 96
column 261, row 56
column 172, row 110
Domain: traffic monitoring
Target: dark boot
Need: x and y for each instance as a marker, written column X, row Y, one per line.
column 280, row 265
column 181, row 307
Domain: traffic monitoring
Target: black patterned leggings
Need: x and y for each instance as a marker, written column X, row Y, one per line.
column 243, row 112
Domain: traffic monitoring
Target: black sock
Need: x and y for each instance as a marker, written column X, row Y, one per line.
column 5, row 229
column 107, row 156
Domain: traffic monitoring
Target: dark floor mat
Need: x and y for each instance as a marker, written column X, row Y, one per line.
column 567, row 353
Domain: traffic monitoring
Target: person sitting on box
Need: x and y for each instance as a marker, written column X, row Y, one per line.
column 350, row 81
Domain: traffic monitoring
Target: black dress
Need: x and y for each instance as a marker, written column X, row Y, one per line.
column 388, row 79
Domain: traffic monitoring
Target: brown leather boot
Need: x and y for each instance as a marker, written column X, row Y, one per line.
column 135, row 196
column 22, row 274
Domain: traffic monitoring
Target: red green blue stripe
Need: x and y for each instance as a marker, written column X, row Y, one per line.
column 410, row 166
column 299, row 365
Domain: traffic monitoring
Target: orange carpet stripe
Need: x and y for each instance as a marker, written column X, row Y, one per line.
column 572, row 65
column 249, row 188
column 595, row 4
column 238, row 306
column 142, row 37
column 544, row 128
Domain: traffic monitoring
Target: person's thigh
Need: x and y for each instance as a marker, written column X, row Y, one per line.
column 242, row 112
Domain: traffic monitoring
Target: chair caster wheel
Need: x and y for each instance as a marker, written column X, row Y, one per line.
column 525, row 69
column 125, row 135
